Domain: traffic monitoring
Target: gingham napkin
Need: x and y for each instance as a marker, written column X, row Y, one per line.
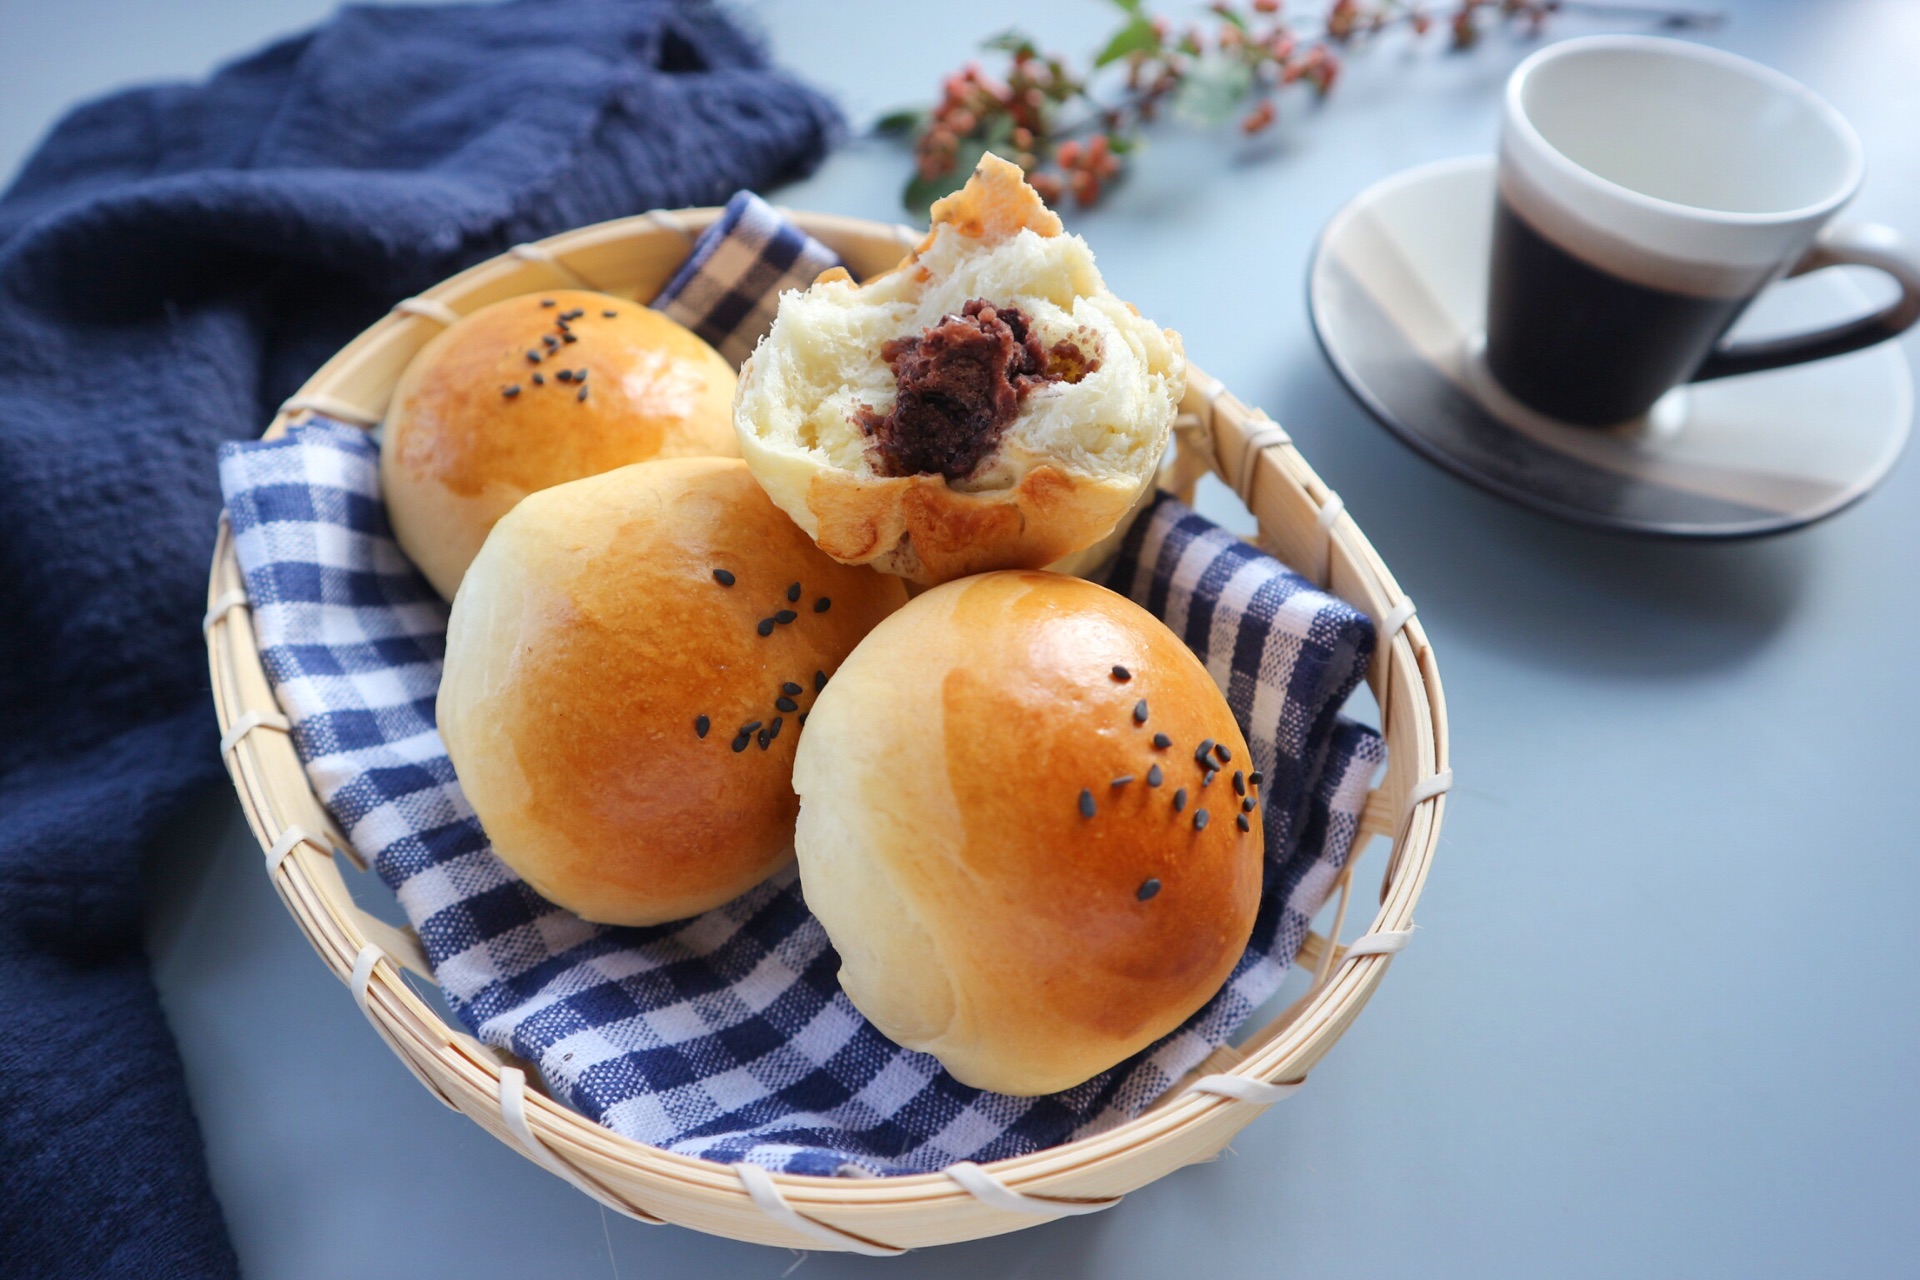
column 727, row 1036
column 730, row 285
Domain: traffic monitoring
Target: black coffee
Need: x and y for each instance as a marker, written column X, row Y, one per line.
column 1582, row 345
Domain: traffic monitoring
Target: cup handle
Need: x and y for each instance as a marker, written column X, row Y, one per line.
column 1860, row 244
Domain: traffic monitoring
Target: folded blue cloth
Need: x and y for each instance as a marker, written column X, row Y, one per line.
column 727, row 1036
column 174, row 261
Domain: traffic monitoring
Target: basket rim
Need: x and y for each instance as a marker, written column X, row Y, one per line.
column 1261, row 454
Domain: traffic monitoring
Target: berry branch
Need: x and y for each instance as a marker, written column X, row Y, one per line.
column 1075, row 132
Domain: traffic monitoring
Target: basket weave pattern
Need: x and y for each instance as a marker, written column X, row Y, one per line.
column 1301, row 522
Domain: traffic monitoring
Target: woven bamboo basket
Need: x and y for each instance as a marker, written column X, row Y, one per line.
column 1300, row 520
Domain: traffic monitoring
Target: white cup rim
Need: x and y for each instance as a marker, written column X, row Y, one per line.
column 1518, row 120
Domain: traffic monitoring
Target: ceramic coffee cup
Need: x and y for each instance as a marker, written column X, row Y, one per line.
column 1648, row 189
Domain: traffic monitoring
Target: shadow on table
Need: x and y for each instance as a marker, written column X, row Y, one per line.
column 1535, row 589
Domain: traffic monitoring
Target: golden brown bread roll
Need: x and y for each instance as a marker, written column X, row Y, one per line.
column 495, row 408
column 629, row 662
column 988, row 404
column 1008, row 833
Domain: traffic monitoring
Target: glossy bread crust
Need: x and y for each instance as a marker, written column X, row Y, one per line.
column 588, row 639
column 460, row 449
column 997, row 898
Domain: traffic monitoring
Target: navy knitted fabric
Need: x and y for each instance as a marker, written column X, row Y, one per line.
column 173, row 262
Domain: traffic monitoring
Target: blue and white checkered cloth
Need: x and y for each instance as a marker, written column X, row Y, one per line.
column 728, row 289
column 727, row 1036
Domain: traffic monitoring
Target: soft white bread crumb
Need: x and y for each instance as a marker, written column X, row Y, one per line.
column 1066, row 469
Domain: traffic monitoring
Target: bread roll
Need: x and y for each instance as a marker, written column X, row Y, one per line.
column 494, row 409
column 629, row 663
column 1022, row 876
column 988, row 404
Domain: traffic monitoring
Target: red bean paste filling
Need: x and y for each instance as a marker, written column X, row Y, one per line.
column 959, row 384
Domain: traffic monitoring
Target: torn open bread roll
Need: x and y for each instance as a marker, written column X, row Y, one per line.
column 987, row 404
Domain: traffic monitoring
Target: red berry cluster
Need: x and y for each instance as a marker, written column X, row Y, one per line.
column 1084, row 169
column 1073, row 133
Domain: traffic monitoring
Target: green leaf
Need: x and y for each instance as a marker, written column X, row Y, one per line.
column 1213, row 91
column 1230, row 16
column 922, row 192
column 1012, row 40
column 1131, row 7
column 1138, row 36
column 904, row 121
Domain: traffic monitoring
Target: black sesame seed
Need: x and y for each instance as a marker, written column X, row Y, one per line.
column 751, row 726
column 1162, row 741
column 1239, row 783
column 546, row 302
column 1201, row 752
column 773, row 730
column 1122, row 674
column 822, row 605
column 1148, row 888
column 764, row 738
column 1206, row 778
column 786, row 704
column 1246, row 806
column 565, row 375
column 1155, row 777
column 511, row 391
column 1256, row 778
column 582, row 395
column 1179, row 799
column 562, row 324
column 579, row 375
column 785, row 616
column 1086, row 803
column 723, row 577
column 766, row 627
column 791, row 689
column 793, row 592
column 1122, row 780
column 549, row 341
column 1241, row 822
column 1200, row 820
column 574, row 314
column 533, row 357
column 569, row 337
column 1140, row 711
column 1223, row 752
column 609, row 314
column 819, row 681
column 802, row 719
column 701, row 726
column 740, row 743
column 539, row 379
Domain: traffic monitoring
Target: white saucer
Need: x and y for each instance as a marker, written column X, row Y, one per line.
column 1398, row 293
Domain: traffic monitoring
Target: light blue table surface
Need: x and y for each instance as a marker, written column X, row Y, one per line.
column 1659, row 1017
